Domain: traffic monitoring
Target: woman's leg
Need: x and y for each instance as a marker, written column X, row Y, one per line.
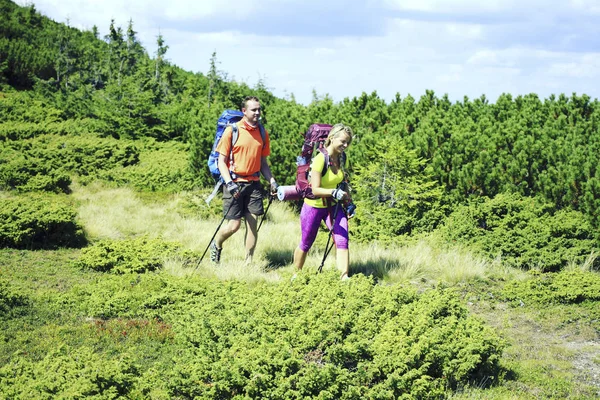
column 299, row 258
column 340, row 238
column 342, row 258
column 310, row 220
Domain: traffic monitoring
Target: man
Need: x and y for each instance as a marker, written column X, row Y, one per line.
column 242, row 195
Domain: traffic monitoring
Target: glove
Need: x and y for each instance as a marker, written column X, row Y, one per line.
column 351, row 210
column 274, row 187
column 233, row 188
column 338, row 194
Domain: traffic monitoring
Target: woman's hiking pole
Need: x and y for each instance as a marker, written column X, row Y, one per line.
column 327, row 248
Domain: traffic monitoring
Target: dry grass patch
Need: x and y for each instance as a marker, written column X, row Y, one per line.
column 118, row 213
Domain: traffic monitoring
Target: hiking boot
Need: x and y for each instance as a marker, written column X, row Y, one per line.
column 215, row 253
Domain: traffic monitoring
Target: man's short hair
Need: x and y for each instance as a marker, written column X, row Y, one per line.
column 247, row 99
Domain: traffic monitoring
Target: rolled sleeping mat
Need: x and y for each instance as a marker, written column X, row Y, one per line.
column 287, row 193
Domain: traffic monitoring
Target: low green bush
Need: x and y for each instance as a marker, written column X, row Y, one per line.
column 48, row 161
column 524, row 232
column 161, row 167
column 25, row 174
column 69, row 373
column 565, row 287
column 130, row 255
column 14, row 131
column 313, row 338
column 10, row 299
column 37, row 220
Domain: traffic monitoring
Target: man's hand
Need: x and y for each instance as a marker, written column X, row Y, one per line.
column 233, row 188
column 274, row 187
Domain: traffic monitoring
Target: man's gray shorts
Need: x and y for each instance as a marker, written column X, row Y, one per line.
column 250, row 200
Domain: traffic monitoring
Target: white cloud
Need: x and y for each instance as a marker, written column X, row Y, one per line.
column 465, row 31
column 453, row 74
column 452, row 6
column 591, row 6
column 586, row 67
column 459, row 47
column 324, row 51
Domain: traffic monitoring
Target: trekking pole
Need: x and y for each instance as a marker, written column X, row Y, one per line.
column 215, row 234
column 327, row 248
column 266, row 211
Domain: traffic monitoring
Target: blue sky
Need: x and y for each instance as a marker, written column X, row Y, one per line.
column 344, row 48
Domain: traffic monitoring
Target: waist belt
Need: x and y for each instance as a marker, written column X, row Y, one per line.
column 235, row 176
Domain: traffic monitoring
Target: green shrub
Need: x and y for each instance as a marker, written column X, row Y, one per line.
column 46, row 162
column 18, row 171
column 395, row 195
column 39, row 221
column 565, row 287
column 525, row 232
column 69, row 373
column 160, row 167
column 10, row 299
column 14, row 131
column 313, row 338
column 129, row 255
column 325, row 340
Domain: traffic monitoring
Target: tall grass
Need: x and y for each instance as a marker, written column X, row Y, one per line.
column 117, row 213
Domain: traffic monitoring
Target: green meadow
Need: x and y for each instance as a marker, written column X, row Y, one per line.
column 474, row 250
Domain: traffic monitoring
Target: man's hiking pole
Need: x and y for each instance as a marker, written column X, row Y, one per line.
column 215, row 234
column 266, row 211
column 327, row 248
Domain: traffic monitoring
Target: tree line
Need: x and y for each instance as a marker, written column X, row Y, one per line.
column 413, row 162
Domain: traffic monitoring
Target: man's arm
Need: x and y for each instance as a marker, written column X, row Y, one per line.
column 223, row 168
column 266, row 172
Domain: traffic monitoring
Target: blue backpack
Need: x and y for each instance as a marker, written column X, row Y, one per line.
column 227, row 118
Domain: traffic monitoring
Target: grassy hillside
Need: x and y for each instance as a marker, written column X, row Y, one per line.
column 183, row 330
column 474, row 268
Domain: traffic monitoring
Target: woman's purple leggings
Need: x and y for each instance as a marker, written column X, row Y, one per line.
column 310, row 220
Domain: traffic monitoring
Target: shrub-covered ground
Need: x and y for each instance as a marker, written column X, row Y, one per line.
column 466, row 197
column 156, row 335
column 133, row 315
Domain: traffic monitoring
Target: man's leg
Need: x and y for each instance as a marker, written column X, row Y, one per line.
column 226, row 231
column 232, row 208
column 253, row 210
column 251, row 235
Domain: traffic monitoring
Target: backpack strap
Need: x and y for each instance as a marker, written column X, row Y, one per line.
column 327, row 161
column 263, row 134
column 235, row 134
column 234, row 137
column 323, row 151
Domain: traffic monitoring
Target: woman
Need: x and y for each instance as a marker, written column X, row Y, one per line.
column 327, row 204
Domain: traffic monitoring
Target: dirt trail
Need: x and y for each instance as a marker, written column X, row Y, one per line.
column 587, row 361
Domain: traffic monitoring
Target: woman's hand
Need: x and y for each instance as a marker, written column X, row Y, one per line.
column 339, row 195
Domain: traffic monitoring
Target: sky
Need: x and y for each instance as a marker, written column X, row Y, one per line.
column 342, row 48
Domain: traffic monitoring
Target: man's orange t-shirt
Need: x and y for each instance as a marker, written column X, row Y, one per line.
column 247, row 151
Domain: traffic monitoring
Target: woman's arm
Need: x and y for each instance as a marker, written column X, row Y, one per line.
column 318, row 191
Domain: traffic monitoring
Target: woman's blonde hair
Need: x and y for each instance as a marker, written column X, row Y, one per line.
column 336, row 131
